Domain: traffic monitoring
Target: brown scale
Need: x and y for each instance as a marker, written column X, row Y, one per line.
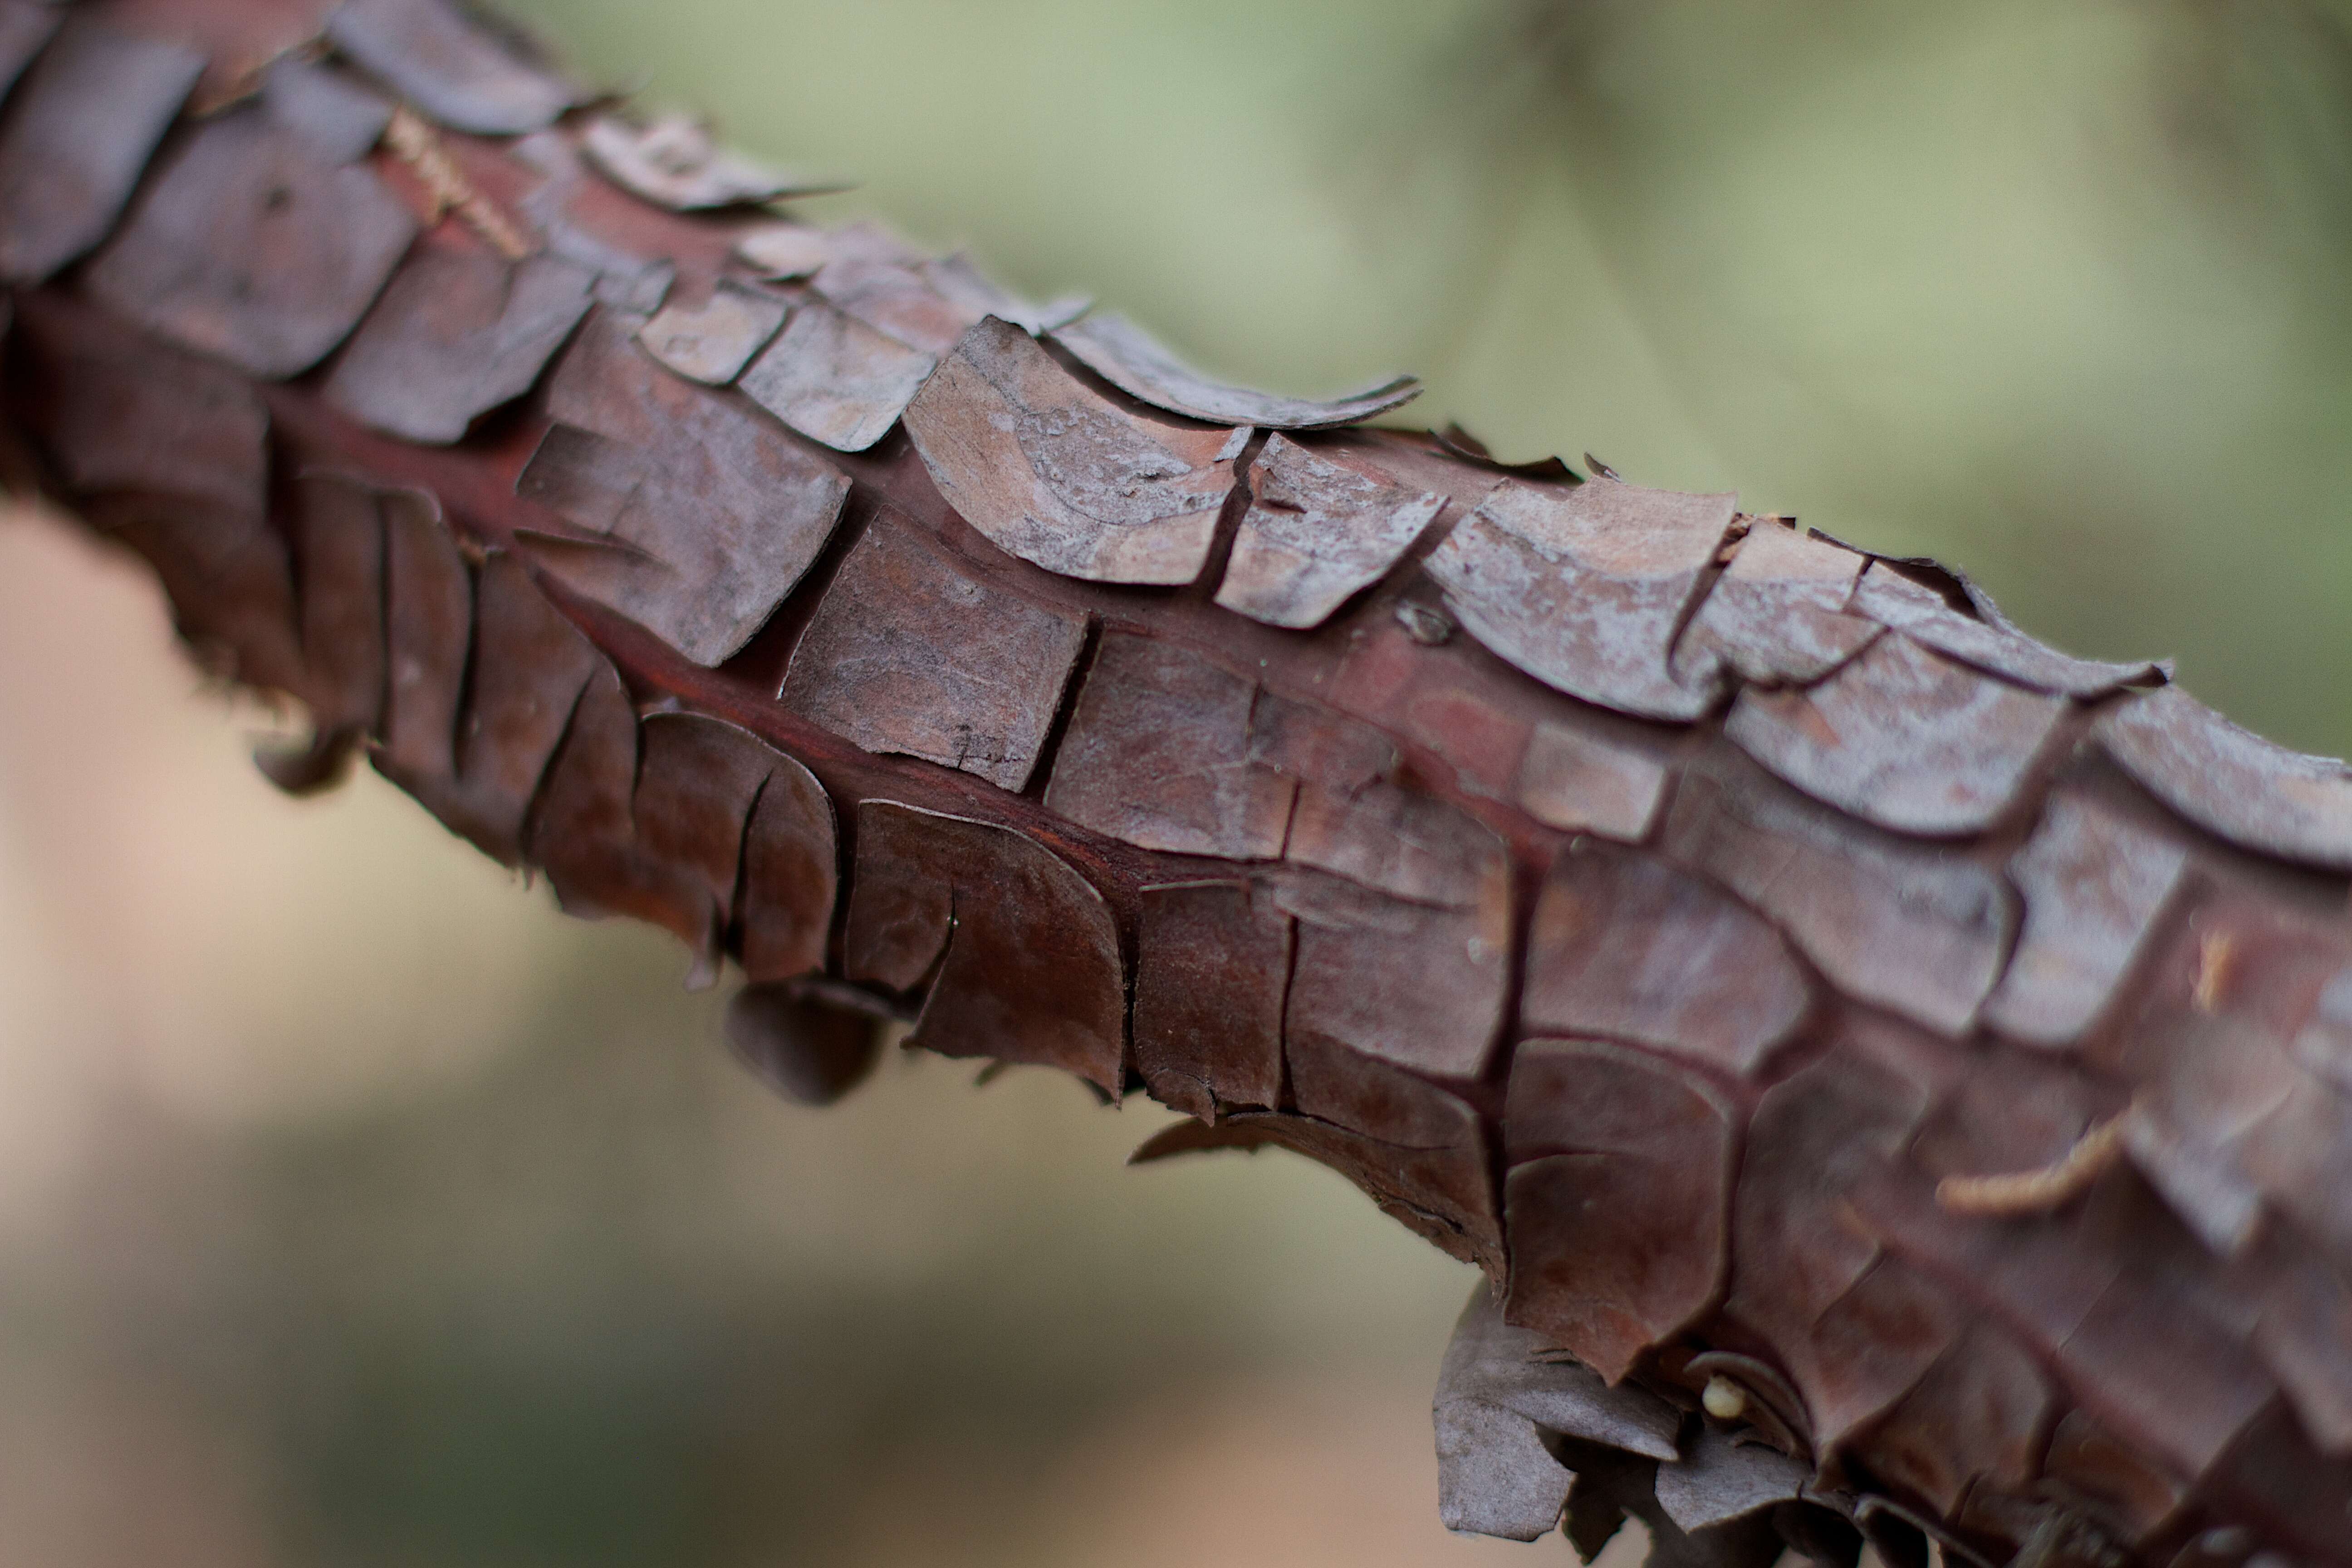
column 1060, row 476
column 247, row 247
column 673, row 162
column 461, row 331
column 907, row 655
column 127, row 415
column 692, row 824
column 169, row 456
column 702, row 787
column 1158, row 754
column 1956, row 619
column 336, row 526
column 1913, row 926
column 694, row 515
column 25, row 28
column 1212, row 966
column 1585, row 589
column 339, row 117
column 1978, row 1416
column 712, row 342
column 1419, row 985
column 2079, row 1297
column 890, row 293
column 835, row 379
column 1777, row 616
column 1849, row 1335
column 1620, row 1176
column 528, row 666
column 2095, row 886
column 79, row 126
column 1902, row 737
column 1484, row 719
column 1316, row 532
column 1128, row 358
column 1626, row 947
column 429, row 630
column 431, row 53
column 2233, row 784
column 1449, row 1170
column 1016, row 949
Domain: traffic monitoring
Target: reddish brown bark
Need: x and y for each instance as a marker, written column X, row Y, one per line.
column 1678, row 915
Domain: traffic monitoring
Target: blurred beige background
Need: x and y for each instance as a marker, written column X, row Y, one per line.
column 356, row 1209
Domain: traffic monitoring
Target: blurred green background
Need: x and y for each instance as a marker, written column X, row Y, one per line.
column 356, row 1210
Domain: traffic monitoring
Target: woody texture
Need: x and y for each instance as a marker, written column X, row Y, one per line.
column 1895, row 1078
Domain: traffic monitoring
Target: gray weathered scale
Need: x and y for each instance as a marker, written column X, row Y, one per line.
column 1893, row 1074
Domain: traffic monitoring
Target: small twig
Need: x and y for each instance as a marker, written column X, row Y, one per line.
column 416, row 144
column 2216, row 951
column 2018, row 1194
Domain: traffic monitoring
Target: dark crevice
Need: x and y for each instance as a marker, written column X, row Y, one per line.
column 1065, row 704
column 1237, row 504
column 736, row 896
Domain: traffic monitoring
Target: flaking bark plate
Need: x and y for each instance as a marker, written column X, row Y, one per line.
column 1851, row 1338
column 1492, row 1361
column 1902, row 737
column 428, row 632
column 954, row 278
column 2094, row 884
column 338, row 119
column 1585, row 588
column 1978, row 1416
column 1776, row 615
column 789, row 876
column 338, row 539
column 527, row 667
column 893, row 294
column 673, row 163
column 2235, row 784
column 1617, row 1201
column 697, row 788
column 1316, row 532
column 1410, row 1186
column 909, row 655
column 1918, row 928
column 1141, row 367
column 1719, row 1479
column 1158, row 754
column 458, row 332
column 810, row 1053
column 1451, row 1167
column 1027, row 959
column 25, row 25
column 1420, row 986
column 1625, row 946
column 124, row 414
column 1576, row 779
column 446, row 63
column 246, row 247
column 713, row 514
column 1212, row 961
column 626, row 277
column 1057, row 476
column 834, row 379
column 711, row 343
column 784, row 251
column 1402, row 841
column 77, row 133
column 1892, row 599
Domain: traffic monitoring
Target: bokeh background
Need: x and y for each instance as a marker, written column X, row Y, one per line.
column 356, row 1209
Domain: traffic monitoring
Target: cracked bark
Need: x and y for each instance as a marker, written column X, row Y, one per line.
column 1894, row 1074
